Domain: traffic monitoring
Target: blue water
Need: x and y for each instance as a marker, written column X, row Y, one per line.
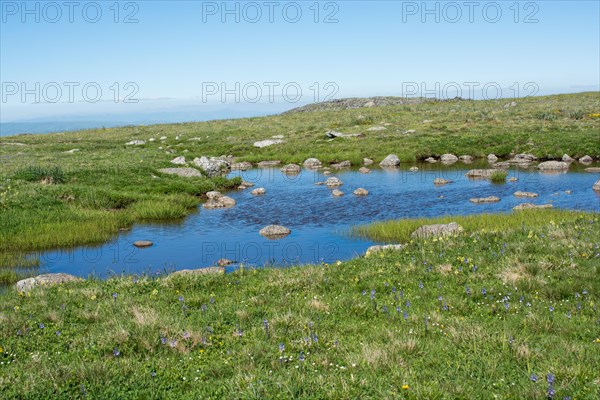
column 319, row 222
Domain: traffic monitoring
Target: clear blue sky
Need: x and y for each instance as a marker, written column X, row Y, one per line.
column 373, row 49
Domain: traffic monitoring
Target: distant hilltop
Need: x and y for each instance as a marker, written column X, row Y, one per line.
column 359, row 102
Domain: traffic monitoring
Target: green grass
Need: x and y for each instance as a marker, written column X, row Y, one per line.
column 472, row 347
column 498, row 176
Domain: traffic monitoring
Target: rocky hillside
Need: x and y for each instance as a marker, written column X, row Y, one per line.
column 351, row 103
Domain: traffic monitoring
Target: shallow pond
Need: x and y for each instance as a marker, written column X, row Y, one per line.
column 320, row 222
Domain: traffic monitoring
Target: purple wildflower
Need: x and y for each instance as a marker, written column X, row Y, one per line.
column 42, row 326
column 114, row 296
column 484, row 292
column 116, row 352
column 550, row 379
column 405, row 315
column 533, row 377
column 281, row 347
column 181, row 299
column 163, row 340
column 420, row 285
column 57, row 333
column 551, row 309
column 468, row 290
column 372, row 294
column 301, row 356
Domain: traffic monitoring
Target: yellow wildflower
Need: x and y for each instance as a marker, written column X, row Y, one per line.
column 405, row 387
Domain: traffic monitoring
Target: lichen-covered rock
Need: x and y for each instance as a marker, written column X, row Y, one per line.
column 525, row 194
column 183, row 172
column 361, row 192
column 553, row 166
column 275, row 232
column 489, row 199
column 26, row 285
column 528, row 206
column 390, row 161
column 385, row 247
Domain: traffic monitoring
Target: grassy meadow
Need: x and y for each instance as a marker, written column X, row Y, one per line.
column 506, row 310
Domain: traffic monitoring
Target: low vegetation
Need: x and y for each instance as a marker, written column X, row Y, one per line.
column 507, row 310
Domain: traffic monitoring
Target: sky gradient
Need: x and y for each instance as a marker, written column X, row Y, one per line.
column 182, row 52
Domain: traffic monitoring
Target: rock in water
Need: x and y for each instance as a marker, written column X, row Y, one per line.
column 492, row 158
column 217, row 200
column 333, row 181
column 212, row 166
column 258, row 192
column 525, row 194
column 275, row 232
column 291, row 169
column 364, row 170
column 553, row 166
column 528, row 206
column 597, row 185
column 361, row 192
column 448, row 158
column 586, row 159
column 26, row 285
column 337, row 193
column 437, row 230
column 312, row 163
column 390, row 161
column 441, row 181
column 489, row 199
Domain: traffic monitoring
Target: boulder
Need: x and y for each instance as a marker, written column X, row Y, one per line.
column 258, row 192
column 586, row 159
column 183, row 172
column 409, row 132
column 529, row 206
column 525, row 194
column 441, row 181
column 437, row 230
column 466, row 159
column 217, row 200
column 390, row 161
column 413, row 169
column 268, row 164
column 361, row 192
column 336, row 134
column 312, row 163
column 223, row 262
column 481, row 173
column 267, row 143
column 567, row 158
column 430, row 160
column 245, row 185
column 513, row 179
column 332, row 181
column 341, row 165
column 212, row 166
column 492, row 158
column 275, row 232
column 385, row 247
column 593, row 170
column 291, row 169
column 553, row 166
column 135, row 143
column 367, row 161
column 364, row 170
column 596, row 185
column 522, row 158
column 448, row 158
column 489, row 199
column 241, row 166
column 337, row 193
column 26, row 285
column 143, row 243
column 179, row 160
column 377, row 128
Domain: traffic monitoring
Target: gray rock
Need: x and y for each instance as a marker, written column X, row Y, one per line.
column 529, row 206
column 377, row 128
column 275, row 232
column 522, row 158
column 586, row 159
column 212, row 166
column 437, row 230
column 241, row 166
column 364, row 170
column 567, row 158
column 390, row 161
column 312, row 163
column 183, row 172
column 409, row 132
column 223, row 262
column 481, row 173
column 413, row 169
column 441, row 181
column 553, row 166
column 361, row 192
column 596, row 185
column 466, row 159
column 245, row 185
column 448, row 158
column 179, row 160
column 268, row 164
column 332, row 181
column 26, row 285
column 267, row 143
column 72, row 151
column 492, row 158
column 593, row 170
column 341, row 165
column 337, row 193
column 336, row 134
column 217, row 200
column 430, row 160
column 367, row 161
column 489, row 199
column 525, row 194
column 143, row 243
column 258, row 192
column 135, row 143
column 291, row 169
column 385, row 247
